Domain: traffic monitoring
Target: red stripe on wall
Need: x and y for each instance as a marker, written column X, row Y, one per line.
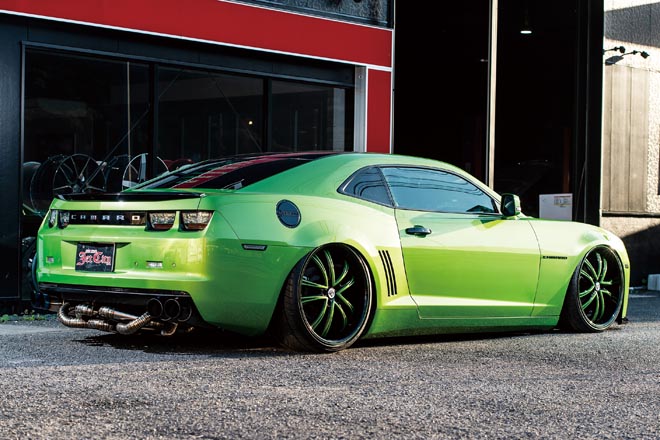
column 379, row 109
column 227, row 23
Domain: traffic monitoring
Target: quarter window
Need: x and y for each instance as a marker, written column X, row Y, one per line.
column 368, row 184
column 426, row 189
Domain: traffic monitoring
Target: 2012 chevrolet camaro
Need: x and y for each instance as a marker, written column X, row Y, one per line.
column 323, row 248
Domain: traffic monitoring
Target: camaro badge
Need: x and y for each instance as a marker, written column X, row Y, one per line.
column 288, row 213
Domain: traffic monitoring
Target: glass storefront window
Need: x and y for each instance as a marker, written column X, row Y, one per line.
column 204, row 115
column 83, row 118
column 308, row 117
column 93, row 124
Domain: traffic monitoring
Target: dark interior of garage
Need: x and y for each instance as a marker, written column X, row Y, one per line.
column 442, row 85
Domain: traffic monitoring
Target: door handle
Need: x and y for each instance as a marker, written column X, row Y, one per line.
column 419, row 231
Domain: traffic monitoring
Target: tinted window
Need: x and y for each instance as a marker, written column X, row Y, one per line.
column 368, row 184
column 231, row 173
column 434, row 190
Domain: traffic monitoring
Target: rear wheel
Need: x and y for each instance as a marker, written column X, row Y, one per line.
column 595, row 294
column 327, row 300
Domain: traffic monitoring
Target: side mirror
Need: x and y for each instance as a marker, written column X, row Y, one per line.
column 510, row 205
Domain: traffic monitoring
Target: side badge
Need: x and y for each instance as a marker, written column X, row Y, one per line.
column 288, row 213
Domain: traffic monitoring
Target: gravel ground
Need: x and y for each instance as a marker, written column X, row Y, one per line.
column 66, row 383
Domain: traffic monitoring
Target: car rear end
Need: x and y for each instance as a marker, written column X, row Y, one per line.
column 111, row 258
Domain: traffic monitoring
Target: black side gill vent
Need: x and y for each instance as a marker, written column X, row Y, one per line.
column 389, row 272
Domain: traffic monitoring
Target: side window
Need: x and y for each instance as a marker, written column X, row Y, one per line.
column 367, row 184
column 425, row 189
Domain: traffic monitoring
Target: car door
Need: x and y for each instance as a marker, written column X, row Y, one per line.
column 462, row 257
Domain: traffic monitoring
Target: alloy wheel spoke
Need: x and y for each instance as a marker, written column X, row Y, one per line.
column 60, row 188
column 308, row 283
column 328, row 321
column 343, row 299
column 319, row 264
column 599, row 259
column 68, row 174
column 599, row 310
column 343, row 274
column 87, row 162
column 603, row 272
column 344, row 318
column 311, row 298
column 587, row 292
column 331, row 267
column 95, row 188
column 588, row 301
column 587, row 276
column 320, row 317
column 594, row 274
column 343, row 288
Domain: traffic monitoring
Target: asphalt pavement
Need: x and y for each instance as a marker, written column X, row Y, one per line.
column 62, row 383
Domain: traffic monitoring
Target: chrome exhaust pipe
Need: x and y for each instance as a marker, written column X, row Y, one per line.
column 106, row 314
column 170, row 331
column 83, row 310
column 133, row 326
column 98, row 324
column 171, row 310
column 64, row 318
column 155, row 307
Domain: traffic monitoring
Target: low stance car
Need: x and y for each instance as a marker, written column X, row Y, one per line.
column 322, row 249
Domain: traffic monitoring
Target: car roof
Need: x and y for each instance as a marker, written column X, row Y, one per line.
column 304, row 172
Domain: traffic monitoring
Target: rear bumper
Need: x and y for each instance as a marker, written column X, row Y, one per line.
column 134, row 301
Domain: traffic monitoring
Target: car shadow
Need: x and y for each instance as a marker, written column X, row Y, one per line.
column 200, row 341
column 227, row 344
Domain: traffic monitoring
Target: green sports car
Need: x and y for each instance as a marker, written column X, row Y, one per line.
column 321, row 249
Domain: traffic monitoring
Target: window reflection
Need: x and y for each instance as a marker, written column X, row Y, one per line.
column 368, row 184
column 308, row 117
column 204, row 115
column 83, row 117
column 434, row 190
column 94, row 124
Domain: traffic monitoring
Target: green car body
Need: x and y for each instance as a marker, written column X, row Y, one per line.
column 380, row 268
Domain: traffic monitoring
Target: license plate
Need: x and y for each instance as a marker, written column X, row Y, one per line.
column 95, row 257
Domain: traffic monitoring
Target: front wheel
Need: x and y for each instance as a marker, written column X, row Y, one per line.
column 327, row 300
column 595, row 294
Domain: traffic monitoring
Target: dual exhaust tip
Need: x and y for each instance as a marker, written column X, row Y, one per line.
column 170, row 310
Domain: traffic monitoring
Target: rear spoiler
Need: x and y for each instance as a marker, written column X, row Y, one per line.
column 132, row 196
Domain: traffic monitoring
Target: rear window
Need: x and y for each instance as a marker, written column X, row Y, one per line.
column 231, row 173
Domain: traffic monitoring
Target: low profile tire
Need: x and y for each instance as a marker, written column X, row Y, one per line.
column 327, row 301
column 595, row 294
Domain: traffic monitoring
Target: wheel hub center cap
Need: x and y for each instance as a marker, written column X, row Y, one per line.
column 331, row 293
column 597, row 286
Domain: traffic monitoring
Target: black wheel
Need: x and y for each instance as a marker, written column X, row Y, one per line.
column 327, row 300
column 595, row 294
column 77, row 173
column 135, row 171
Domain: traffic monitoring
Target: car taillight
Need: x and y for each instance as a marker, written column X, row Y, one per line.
column 64, row 217
column 161, row 221
column 52, row 218
column 195, row 220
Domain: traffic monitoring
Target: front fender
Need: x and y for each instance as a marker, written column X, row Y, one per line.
column 563, row 245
